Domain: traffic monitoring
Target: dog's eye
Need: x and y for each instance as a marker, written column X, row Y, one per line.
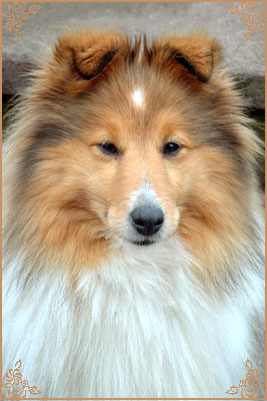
column 171, row 148
column 109, row 148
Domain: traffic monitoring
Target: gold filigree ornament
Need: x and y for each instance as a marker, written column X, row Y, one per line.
column 17, row 387
column 250, row 387
column 249, row 13
column 18, row 13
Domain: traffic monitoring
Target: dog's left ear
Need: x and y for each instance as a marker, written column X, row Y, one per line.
column 81, row 58
column 193, row 56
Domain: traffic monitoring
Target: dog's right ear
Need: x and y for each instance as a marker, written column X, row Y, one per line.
column 190, row 58
column 80, row 58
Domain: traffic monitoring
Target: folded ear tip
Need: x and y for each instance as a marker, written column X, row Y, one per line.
column 82, row 55
column 197, row 53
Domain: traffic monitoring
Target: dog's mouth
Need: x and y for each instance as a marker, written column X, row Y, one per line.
column 144, row 242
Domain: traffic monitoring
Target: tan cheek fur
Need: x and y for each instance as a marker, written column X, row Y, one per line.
column 61, row 208
column 213, row 206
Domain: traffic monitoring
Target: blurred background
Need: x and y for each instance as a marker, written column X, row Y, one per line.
column 230, row 23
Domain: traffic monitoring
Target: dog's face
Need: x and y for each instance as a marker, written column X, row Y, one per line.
column 136, row 148
column 135, row 145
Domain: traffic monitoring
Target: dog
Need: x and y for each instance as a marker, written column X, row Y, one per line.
column 133, row 259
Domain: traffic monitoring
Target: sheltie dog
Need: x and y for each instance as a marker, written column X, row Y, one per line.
column 133, row 222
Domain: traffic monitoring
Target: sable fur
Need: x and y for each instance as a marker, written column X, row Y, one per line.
column 88, row 313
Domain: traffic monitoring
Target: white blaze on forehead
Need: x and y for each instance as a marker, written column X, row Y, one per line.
column 138, row 97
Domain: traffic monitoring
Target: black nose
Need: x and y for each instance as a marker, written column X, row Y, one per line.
column 147, row 220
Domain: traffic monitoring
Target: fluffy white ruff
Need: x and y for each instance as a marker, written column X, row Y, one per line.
column 140, row 325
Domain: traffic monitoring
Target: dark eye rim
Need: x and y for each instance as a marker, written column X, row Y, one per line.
column 171, row 152
column 109, row 148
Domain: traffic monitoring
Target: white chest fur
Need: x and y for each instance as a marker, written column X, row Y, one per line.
column 139, row 326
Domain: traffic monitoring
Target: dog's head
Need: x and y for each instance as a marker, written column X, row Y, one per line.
column 136, row 142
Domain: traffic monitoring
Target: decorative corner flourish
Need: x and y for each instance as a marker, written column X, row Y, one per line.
column 250, row 387
column 249, row 13
column 18, row 388
column 18, row 13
